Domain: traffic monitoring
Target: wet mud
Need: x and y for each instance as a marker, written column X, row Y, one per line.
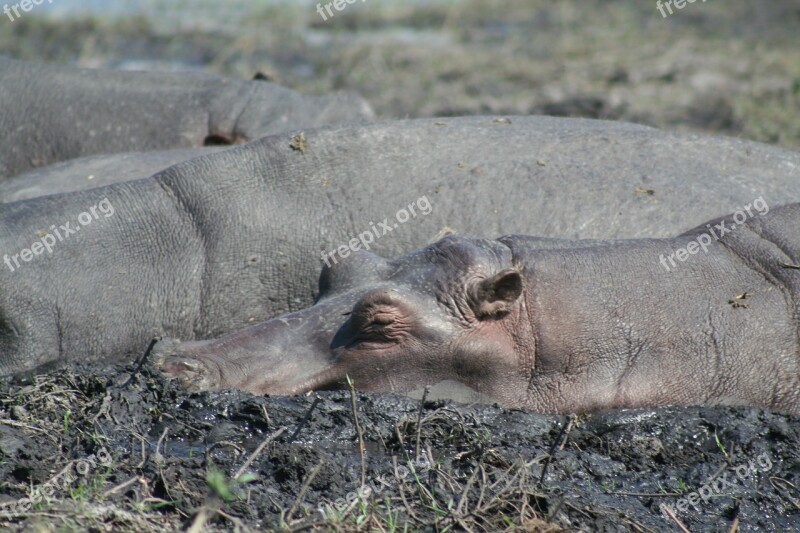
column 119, row 448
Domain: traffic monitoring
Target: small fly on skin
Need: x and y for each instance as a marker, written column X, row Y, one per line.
column 738, row 300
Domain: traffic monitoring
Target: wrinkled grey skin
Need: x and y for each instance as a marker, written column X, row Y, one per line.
column 94, row 171
column 549, row 325
column 51, row 113
column 233, row 238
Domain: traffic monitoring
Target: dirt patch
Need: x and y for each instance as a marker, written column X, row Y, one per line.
column 147, row 456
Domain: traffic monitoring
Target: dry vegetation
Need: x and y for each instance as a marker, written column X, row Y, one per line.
column 731, row 67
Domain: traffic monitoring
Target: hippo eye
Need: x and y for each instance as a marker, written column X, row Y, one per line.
column 382, row 319
column 371, row 321
column 371, row 324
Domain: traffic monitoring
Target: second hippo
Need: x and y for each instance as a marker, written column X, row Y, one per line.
column 709, row 317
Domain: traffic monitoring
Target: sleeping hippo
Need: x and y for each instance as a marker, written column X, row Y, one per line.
column 217, row 242
column 55, row 113
column 559, row 326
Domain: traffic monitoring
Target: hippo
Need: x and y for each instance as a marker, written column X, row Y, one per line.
column 556, row 326
column 56, row 113
column 94, row 171
column 232, row 238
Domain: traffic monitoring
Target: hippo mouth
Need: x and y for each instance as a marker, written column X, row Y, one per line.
column 193, row 373
column 200, row 367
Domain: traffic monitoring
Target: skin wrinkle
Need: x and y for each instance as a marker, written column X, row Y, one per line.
column 8, row 328
column 626, row 332
column 717, row 379
column 754, row 227
column 530, row 317
column 234, row 136
column 633, row 353
column 786, row 291
column 755, row 267
column 783, row 376
column 526, row 315
column 772, row 280
column 459, row 309
column 455, row 301
column 632, row 358
column 519, row 332
column 394, row 331
column 789, row 259
column 604, row 349
column 198, row 327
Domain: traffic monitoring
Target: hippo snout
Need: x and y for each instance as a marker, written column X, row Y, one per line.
column 165, row 347
column 280, row 356
column 194, row 372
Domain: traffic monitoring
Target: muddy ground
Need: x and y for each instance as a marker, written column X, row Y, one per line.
column 121, row 449
column 124, row 449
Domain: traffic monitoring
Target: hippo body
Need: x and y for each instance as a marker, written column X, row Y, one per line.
column 94, row 171
column 709, row 317
column 232, row 238
column 53, row 113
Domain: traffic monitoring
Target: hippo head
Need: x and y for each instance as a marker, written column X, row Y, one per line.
column 451, row 316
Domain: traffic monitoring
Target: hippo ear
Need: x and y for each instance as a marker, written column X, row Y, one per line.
column 494, row 296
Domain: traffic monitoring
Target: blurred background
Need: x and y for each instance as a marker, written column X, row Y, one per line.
column 725, row 66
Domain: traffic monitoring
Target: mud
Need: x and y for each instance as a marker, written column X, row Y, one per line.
column 143, row 455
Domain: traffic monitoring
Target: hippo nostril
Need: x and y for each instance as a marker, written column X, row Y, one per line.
column 182, row 365
column 193, row 374
column 164, row 348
